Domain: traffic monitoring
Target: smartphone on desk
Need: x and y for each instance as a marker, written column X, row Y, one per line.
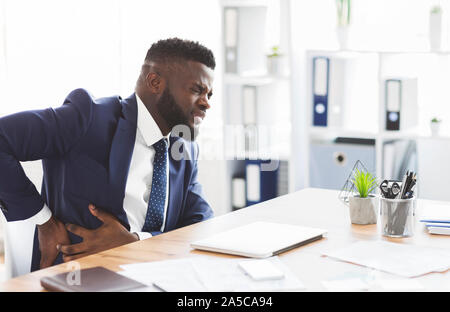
column 260, row 270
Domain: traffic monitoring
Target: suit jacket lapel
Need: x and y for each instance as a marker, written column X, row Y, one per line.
column 122, row 149
column 175, row 193
column 120, row 159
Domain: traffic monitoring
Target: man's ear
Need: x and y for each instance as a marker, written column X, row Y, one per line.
column 155, row 83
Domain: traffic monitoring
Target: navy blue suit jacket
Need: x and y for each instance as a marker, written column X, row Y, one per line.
column 86, row 147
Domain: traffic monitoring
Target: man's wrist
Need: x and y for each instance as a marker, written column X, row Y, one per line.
column 142, row 235
column 42, row 217
column 46, row 225
column 135, row 235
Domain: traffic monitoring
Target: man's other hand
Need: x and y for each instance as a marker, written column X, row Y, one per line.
column 109, row 235
column 51, row 234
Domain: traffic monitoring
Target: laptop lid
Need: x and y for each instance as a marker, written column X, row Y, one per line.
column 259, row 239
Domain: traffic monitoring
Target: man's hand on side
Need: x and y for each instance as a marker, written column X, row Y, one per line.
column 109, row 235
column 51, row 234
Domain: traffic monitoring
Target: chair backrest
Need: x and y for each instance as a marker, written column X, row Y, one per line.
column 433, row 172
column 19, row 235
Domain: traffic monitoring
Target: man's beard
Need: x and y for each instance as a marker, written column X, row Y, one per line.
column 175, row 116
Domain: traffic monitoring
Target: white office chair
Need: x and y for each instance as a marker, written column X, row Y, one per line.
column 19, row 235
column 433, row 170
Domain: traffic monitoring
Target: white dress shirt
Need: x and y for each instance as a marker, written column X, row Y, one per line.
column 139, row 181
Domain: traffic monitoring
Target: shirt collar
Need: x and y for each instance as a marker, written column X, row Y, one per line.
column 147, row 125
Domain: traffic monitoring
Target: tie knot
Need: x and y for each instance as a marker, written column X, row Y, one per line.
column 160, row 146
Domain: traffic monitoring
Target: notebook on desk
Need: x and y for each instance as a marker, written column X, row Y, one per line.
column 97, row 279
column 436, row 218
column 259, row 239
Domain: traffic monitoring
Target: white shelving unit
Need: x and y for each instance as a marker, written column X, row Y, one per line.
column 272, row 109
column 369, row 121
column 385, row 64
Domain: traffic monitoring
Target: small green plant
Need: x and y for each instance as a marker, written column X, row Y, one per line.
column 436, row 9
column 275, row 51
column 435, row 120
column 365, row 183
column 343, row 12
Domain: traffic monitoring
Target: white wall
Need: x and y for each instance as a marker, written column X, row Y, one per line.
column 50, row 47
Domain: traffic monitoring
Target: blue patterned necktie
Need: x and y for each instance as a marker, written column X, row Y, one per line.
column 155, row 210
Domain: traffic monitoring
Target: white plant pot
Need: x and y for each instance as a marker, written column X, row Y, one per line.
column 435, row 128
column 435, row 31
column 342, row 33
column 277, row 65
column 363, row 210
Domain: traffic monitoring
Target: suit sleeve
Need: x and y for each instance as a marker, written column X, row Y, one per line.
column 34, row 135
column 197, row 209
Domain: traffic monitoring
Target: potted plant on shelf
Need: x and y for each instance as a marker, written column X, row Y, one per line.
column 435, row 125
column 435, row 30
column 276, row 62
column 363, row 208
column 343, row 22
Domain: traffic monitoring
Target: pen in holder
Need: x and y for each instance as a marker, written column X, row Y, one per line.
column 397, row 206
column 397, row 216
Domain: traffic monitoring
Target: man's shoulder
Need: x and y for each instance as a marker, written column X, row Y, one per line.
column 86, row 102
column 81, row 95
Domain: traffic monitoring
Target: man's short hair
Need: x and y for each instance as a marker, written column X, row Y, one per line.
column 178, row 49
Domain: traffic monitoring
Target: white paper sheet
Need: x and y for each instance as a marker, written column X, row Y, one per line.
column 439, row 230
column 435, row 212
column 351, row 284
column 403, row 284
column 207, row 274
column 225, row 275
column 168, row 275
column 400, row 259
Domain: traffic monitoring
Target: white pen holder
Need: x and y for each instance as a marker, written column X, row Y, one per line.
column 397, row 216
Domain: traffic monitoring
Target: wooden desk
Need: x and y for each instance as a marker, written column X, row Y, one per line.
column 309, row 207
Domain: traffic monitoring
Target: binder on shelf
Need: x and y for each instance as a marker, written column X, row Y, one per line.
column 393, row 99
column 401, row 103
column 331, row 78
column 253, row 179
column 231, row 33
column 238, row 193
column 250, row 112
column 398, row 157
column 244, row 37
column 339, row 80
column 321, row 71
column 283, row 178
column 260, row 185
column 250, row 119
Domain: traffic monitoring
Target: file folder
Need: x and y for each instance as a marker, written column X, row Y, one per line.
column 238, row 193
column 244, row 38
column 332, row 79
column 260, row 185
column 401, row 103
column 321, row 71
column 253, row 175
column 393, row 100
column 231, row 34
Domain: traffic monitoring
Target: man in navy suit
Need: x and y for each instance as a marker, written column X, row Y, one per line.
column 115, row 170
